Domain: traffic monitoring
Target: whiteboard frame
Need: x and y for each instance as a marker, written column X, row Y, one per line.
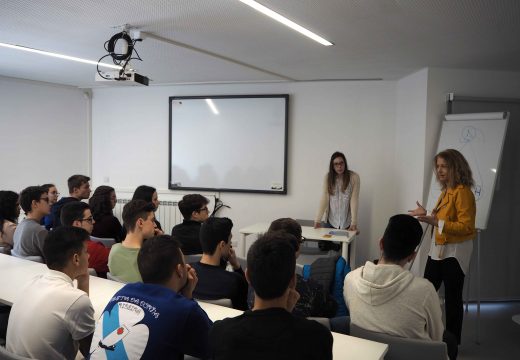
column 283, row 191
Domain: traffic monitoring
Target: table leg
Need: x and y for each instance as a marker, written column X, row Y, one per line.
column 353, row 254
column 344, row 250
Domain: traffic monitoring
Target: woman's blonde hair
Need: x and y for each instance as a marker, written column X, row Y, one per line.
column 459, row 172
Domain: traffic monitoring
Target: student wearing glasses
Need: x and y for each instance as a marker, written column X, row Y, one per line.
column 78, row 214
column 29, row 235
column 194, row 209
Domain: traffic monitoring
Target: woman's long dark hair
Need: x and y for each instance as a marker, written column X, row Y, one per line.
column 8, row 210
column 332, row 176
column 144, row 192
column 100, row 204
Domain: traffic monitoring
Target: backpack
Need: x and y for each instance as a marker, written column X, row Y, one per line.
column 330, row 272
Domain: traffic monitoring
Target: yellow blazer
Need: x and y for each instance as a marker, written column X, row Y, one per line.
column 457, row 208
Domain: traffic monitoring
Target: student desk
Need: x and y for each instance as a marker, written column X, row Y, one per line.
column 309, row 233
column 16, row 272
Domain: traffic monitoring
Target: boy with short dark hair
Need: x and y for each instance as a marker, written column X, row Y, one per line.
column 214, row 281
column 269, row 331
column 194, row 209
column 156, row 319
column 29, row 236
column 79, row 189
column 139, row 221
column 51, row 318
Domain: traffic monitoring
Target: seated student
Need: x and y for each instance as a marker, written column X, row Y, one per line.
column 138, row 218
column 9, row 213
column 214, row 281
column 53, row 193
column 194, row 209
column 387, row 298
column 156, row 319
column 79, row 189
column 29, row 235
column 102, row 204
column 77, row 213
column 313, row 301
column 51, row 318
column 270, row 331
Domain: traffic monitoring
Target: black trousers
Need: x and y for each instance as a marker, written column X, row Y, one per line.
column 448, row 271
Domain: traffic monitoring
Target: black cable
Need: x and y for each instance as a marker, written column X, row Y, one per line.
column 112, row 44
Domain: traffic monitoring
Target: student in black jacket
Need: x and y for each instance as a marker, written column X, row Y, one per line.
column 194, row 209
column 270, row 331
column 215, row 282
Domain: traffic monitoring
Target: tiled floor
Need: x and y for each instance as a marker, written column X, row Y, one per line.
column 499, row 336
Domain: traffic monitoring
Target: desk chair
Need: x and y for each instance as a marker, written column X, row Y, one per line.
column 220, row 302
column 92, row 271
column 114, row 278
column 400, row 348
column 193, row 258
column 30, row 258
column 6, row 355
column 108, row 242
column 322, row 320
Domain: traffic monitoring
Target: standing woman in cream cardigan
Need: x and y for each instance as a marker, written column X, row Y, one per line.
column 453, row 221
column 340, row 197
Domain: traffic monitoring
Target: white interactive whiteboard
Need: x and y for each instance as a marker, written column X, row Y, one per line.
column 480, row 138
column 229, row 143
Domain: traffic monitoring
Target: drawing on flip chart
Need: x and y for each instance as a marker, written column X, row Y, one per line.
column 469, row 136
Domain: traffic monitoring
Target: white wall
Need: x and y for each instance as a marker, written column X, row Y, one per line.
column 130, row 142
column 44, row 133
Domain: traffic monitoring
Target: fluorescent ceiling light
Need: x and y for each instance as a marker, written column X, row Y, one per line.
column 286, row 22
column 60, row 56
column 212, row 106
column 493, row 170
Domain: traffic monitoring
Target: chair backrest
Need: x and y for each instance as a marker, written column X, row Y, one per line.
column 6, row 355
column 322, row 320
column 221, row 302
column 108, row 242
column 30, row 258
column 114, row 278
column 189, row 259
column 400, row 348
column 243, row 262
column 92, row 271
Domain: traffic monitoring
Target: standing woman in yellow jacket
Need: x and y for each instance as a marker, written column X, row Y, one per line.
column 453, row 221
column 340, row 197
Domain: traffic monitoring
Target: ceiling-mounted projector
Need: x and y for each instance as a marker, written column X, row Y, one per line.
column 115, row 77
column 120, row 48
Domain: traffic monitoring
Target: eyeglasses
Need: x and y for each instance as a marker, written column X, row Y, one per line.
column 205, row 208
column 89, row 219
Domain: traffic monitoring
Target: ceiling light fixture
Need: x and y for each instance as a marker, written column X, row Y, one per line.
column 286, row 22
column 56, row 55
column 212, row 106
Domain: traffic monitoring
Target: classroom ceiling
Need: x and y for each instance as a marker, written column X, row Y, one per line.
column 220, row 41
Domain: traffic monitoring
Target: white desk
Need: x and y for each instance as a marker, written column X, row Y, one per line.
column 17, row 272
column 310, row 233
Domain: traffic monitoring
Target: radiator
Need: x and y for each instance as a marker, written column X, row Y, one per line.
column 167, row 213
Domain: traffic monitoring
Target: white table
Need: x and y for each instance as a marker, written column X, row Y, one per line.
column 17, row 272
column 310, row 233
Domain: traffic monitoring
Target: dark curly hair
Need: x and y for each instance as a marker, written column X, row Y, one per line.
column 99, row 203
column 8, row 208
